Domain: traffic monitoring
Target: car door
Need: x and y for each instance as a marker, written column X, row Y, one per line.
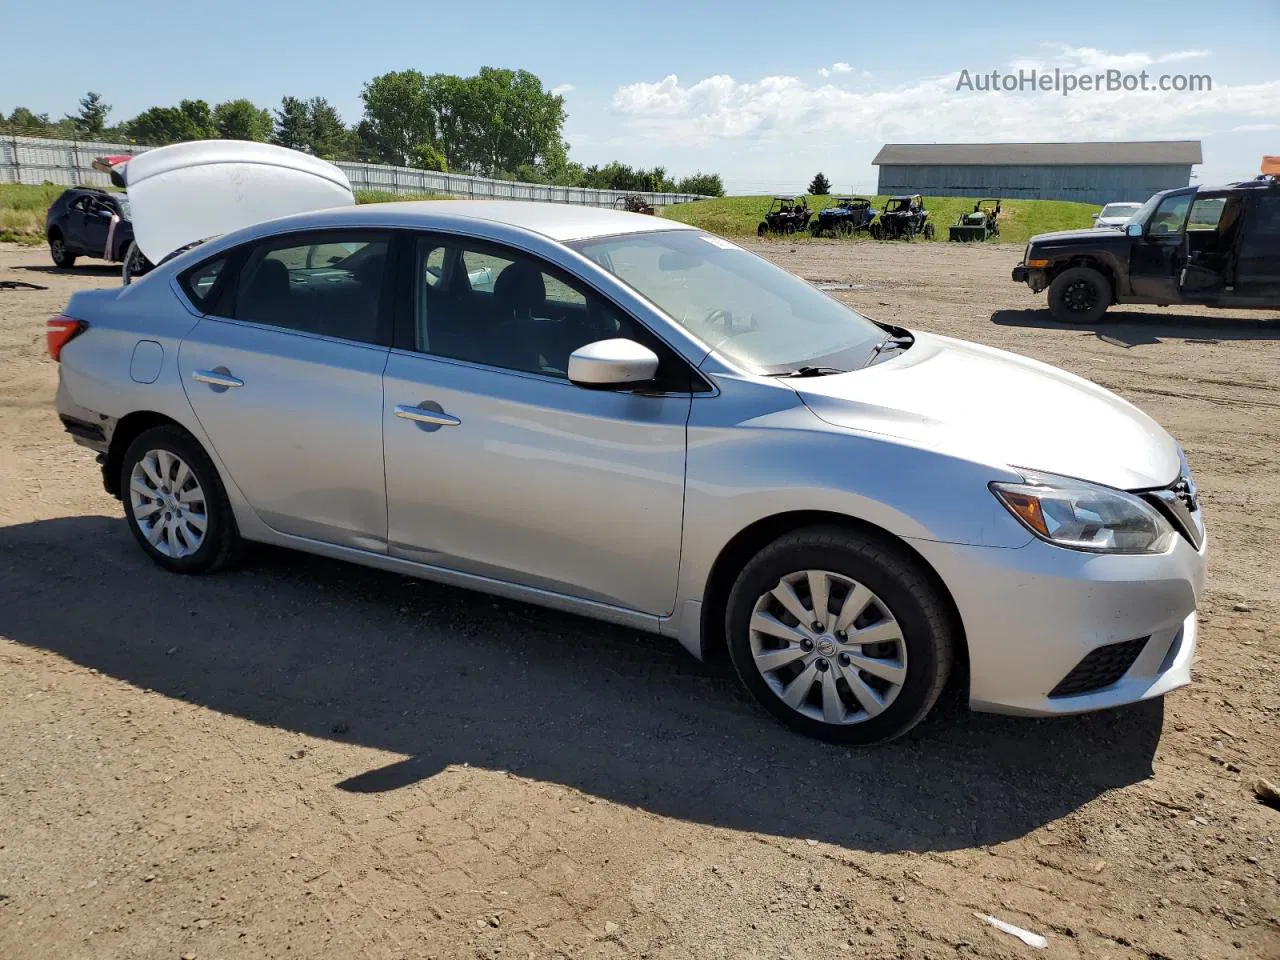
column 95, row 216
column 284, row 373
column 498, row 466
column 76, row 223
column 1258, row 259
column 1155, row 258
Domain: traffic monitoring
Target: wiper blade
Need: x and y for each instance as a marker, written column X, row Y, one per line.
column 812, row 372
column 891, row 342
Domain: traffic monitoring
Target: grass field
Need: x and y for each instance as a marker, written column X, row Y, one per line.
column 1019, row 219
column 22, row 211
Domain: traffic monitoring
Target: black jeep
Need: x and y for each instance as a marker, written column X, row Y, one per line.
column 1212, row 246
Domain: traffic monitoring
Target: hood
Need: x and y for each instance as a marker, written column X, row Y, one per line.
column 990, row 406
column 1086, row 235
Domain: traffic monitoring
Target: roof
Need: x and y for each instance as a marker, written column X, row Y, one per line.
column 1043, row 154
column 560, row 222
column 563, row 222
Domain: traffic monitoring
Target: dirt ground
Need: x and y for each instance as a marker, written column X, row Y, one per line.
column 300, row 758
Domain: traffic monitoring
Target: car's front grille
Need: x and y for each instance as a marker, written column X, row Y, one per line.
column 1180, row 504
column 1100, row 668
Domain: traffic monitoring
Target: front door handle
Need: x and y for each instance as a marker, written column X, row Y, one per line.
column 216, row 378
column 425, row 414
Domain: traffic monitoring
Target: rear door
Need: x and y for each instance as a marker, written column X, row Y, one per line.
column 1155, row 260
column 1258, row 262
column 285, row 376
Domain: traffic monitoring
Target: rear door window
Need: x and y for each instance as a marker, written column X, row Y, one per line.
column 332, row 286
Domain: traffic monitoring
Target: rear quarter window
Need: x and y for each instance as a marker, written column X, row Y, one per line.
column 201, row 283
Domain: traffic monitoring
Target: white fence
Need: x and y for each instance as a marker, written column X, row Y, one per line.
column 45, row 160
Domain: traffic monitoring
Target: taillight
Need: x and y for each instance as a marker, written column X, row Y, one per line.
column 61, row 331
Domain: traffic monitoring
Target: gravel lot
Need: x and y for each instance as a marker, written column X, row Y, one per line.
column 304, row 759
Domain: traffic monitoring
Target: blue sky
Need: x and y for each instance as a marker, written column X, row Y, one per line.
column 764, row 93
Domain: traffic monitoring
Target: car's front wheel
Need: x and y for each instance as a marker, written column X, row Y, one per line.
column 175, row 503
column 839, row 635
column 1079, row 295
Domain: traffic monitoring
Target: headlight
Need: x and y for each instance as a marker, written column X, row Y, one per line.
column 1085, row 516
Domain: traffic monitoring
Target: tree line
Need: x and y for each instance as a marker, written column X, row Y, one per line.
column 498, row 123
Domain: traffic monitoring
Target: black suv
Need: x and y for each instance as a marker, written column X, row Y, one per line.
column 1212, row 246
column 79, row 224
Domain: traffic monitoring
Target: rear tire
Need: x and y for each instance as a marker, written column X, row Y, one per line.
column 762, row 230
column 62, row 257
column 1079, row 295
column 865, row 586
column 928, row 231
column 175, row 504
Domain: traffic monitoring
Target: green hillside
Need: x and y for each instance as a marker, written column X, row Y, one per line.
column 1019, row 219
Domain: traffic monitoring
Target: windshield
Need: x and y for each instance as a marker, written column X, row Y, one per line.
column 740, row 305
column 1119, row 209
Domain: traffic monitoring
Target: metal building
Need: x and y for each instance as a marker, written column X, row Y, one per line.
column 1087, row 172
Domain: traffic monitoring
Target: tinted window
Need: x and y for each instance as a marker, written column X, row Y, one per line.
column 506, row 309
column 1170, row 216
column 331, row 287
column 1265, row 221
column 201, row 283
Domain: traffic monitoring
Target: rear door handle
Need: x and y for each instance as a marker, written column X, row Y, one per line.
column 425, row 414
column 216, row 378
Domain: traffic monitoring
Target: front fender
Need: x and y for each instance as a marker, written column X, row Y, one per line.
column 784, row 459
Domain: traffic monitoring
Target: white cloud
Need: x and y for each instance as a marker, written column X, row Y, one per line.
column 841, row 68
column 563, row 88
column 1255, row 127
column 930, row 109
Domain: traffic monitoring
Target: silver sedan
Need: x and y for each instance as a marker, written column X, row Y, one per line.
column 640, row 422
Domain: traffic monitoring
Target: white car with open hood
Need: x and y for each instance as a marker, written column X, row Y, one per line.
column 631, row 419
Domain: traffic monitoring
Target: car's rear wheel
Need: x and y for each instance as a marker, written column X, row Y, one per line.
column 1079, row 295
column 58, row 251
column 839, row 635
column 175, row 503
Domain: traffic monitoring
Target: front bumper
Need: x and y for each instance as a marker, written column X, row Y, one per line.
column 1020, row 274
column 1032, row 614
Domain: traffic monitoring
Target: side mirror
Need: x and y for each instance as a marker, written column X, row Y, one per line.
column 612, row 363
column 1133, row 229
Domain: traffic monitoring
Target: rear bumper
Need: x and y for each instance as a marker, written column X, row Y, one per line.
column 1032, row 614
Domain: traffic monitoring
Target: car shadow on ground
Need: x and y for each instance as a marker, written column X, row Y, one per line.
column 1131, row 329
column 98, row 268
column 446, row 676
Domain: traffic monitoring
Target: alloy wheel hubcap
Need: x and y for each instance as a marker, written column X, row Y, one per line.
column 828, row 647
column 168, row 504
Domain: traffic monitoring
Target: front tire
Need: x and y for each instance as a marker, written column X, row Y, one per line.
column 135, row 264
column 1079, row 295
column 175, row 504
column 58, row 251
column 877, row 648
